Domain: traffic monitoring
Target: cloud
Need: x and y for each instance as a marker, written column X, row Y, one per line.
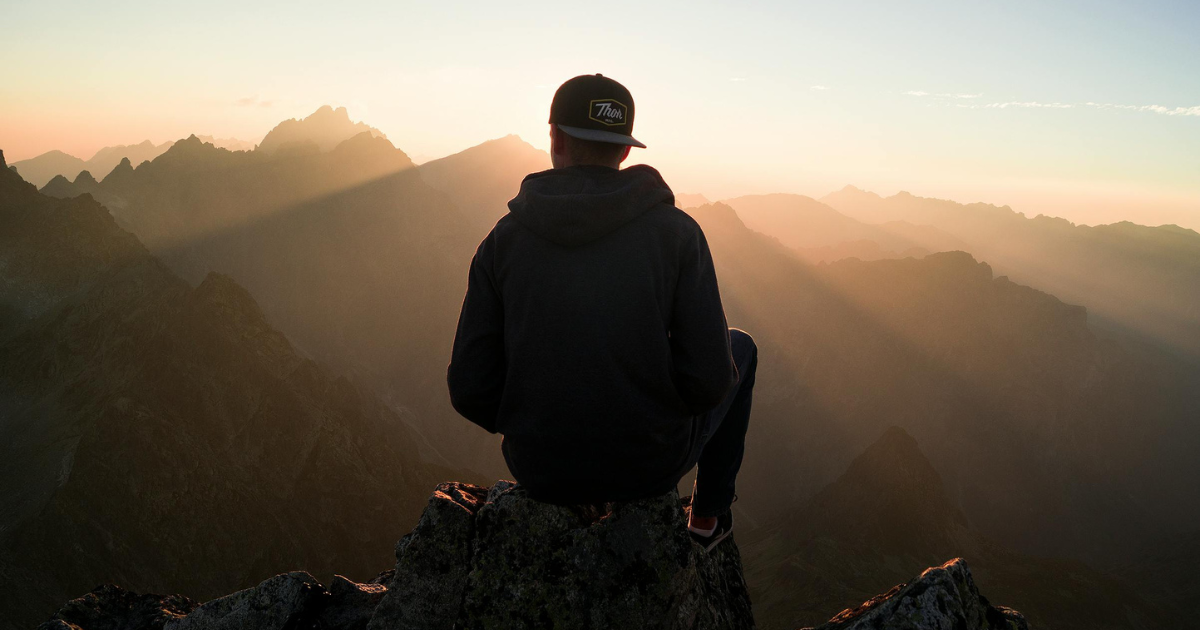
column 1159, row 109
column 818, row 87
column 939, row 99
column 1155, row 109
column 941, row 94
column 737, row 79
column 1030, row 104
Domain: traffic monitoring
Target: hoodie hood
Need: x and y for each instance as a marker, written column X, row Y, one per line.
column 577, row 205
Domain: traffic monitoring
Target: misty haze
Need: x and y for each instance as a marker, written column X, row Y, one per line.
column 225, row 329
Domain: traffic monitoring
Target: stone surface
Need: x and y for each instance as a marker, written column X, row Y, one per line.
column 941, row 598
column 432, row 562
column 350, row 604
column 497, row 559
column 110, row 607
column 283, row 601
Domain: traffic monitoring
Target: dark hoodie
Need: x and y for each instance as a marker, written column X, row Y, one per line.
column 591, row 335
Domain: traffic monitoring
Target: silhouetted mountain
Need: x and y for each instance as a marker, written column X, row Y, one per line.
column 43, row 168
column 482, row 179
column 1054, row 440
column 1009, row 390
column 169, row 438
column 690, row 200
column 1143, row 279
column 61, row 188
column 326, row 128
column 883, row 520
column 108, row 158
column 821, row 233
column 349, row 252
column 233, row 144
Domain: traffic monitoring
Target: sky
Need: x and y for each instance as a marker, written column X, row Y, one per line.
column 1085, row 110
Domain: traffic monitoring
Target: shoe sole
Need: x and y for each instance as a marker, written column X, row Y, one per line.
column 708, row 544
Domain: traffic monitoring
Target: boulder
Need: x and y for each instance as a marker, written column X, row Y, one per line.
column 497, row 559
column 487, row 558
column 111, row 607
column 941, row 598
column 283, row 601
column 350, row 604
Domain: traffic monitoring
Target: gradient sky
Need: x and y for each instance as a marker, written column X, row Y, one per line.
column 1086, row 110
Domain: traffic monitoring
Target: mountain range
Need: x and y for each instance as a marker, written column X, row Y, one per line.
column 821, row 234
column 40, row 170
column 1137, row 279
column 149, row 425
column 882, row 520
column 1058, row 433
column 326, row 128
column 1011, row 392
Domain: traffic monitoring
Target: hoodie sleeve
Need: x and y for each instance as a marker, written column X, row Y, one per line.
column 704, row 367
column 477, row 366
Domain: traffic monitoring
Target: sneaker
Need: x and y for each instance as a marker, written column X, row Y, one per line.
column 723, row 530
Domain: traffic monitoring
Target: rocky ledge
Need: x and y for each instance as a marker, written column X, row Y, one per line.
column 942, row 597
column 496, row 559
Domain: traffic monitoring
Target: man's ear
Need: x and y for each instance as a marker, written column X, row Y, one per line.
column 624, row 154
column 556, row 141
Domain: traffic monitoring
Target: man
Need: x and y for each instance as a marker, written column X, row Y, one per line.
column 592, row 334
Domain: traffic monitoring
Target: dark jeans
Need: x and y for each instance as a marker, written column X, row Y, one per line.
column 723, row 434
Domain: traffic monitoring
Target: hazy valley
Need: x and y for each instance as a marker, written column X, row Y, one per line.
column 221, row 340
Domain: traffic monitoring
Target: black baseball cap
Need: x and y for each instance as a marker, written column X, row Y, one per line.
column 594, row 107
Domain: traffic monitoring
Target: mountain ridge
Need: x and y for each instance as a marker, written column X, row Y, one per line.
column 150, row 425
column 1137, row 278
column 43, row 168
column 883, row 519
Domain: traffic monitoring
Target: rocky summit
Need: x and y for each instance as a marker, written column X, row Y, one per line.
column 941, row 597
column 494, row 558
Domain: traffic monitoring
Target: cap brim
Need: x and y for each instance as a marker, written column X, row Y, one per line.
column 597, row 135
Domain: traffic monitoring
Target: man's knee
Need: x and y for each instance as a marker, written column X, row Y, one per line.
column 745, row 351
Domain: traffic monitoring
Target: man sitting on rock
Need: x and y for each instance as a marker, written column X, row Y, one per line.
column 592, row 334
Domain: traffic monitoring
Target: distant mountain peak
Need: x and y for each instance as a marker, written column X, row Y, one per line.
column 121, row 171
column 327, row 110
column 718, row 213
column 84, row 177
column 221, row 293
column 510, row 142
column 326, row 128
column 849, row 192
column 895, row 458
column 890, row 493
column 58, row 180
column 191, row 144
